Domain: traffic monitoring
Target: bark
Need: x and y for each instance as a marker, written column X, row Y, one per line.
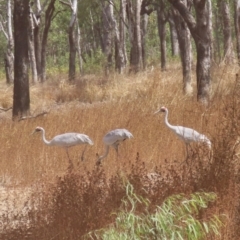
column 9, row 58
column 72, row 42
column 21, row 96
column 146, row 10
column 184, row 39
column 37, row 39
column 107, row 12
column 48, row 19
column 199, row 27
column 227, row 35
column 31, row 48
column 237, row 27
column 122, row 30
column 119, row 46
column 162, row 33
column 144, row 24
column 133, row 14
column 174, row 36
column 79, row 50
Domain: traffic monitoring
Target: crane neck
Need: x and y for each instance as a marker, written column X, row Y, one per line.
column 166, row 121
column 105, row 154
column 44, row 139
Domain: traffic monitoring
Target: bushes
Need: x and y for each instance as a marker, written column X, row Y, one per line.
column 177, row 218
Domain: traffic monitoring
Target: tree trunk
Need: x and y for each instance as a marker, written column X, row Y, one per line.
column 199, row 27
column 9, row 65
column 72, row 42
column 79, row 50
column 133, row 12
column 162, row 33
column 122, row 29
column 9, row 58
column 144, row 24
column 107, row 12
column 174, row 36
column 227, row 35
column 37, row 38
column 119, row 50
column 217, row 47
column 21, row 98
column 31, row 49
column 184, row 39
column 48, row 19
column 237, row 27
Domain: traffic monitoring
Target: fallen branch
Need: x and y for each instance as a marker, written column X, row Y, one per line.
column 5, row 109
column 29, row 117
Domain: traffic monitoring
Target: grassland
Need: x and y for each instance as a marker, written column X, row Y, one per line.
column 41, row 198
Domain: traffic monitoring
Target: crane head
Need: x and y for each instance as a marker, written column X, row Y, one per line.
column 162, row 109
column 37, row 129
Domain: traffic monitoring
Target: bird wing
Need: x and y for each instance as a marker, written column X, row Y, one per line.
column 191, row 135
column 116, row 135
column 187, row 134
column 71, row 139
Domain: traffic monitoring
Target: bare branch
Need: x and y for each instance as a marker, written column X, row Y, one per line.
column 30, row 117
column 66, row 3
column 2, row 29
column 5, row 109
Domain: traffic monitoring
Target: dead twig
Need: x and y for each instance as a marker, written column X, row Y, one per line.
column 29, row 117
column 5, row 109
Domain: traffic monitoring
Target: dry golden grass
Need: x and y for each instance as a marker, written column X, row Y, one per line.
column 96, row 105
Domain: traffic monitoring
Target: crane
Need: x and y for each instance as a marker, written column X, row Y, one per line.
column 187, row 135
column 114, row 138
column 66, row 140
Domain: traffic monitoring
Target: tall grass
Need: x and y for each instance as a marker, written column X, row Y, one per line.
column 56, row 202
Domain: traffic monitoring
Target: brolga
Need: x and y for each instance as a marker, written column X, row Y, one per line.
column 66, row 140
column 186, row 134
column 114, row 138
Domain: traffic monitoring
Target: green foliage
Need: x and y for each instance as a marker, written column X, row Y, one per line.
column 177, row 218
column 94, row 63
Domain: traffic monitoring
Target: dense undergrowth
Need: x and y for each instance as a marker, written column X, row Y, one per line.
column 69, row 202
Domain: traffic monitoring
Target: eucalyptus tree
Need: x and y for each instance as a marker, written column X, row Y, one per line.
column 31, row 48
column 107, row 21
column 199, row 25
column 21, row 96
column 227, row 32
column 73, row 5
column 6, row 28
column 184, row 40
column 162, row 20
column 49, row 15
column 120, row 44
column 237, row 26
column 146, row 9
column 174, row 35
column 37, row 11
column 134, row 27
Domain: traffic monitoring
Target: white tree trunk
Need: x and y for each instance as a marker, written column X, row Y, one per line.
column 31, row 49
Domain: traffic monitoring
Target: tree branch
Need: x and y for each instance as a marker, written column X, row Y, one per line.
column 66, row 3
column 5, row 109
column 29, row 117
column 185, row 13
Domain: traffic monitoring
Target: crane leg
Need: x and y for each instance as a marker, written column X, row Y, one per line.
column 187, row 156
column 82, row 157
column 70, row 161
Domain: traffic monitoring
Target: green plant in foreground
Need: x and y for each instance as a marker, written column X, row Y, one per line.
column 176, row 218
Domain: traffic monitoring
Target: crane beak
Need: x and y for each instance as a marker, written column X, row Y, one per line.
column 33, row 132
column 157, row 111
